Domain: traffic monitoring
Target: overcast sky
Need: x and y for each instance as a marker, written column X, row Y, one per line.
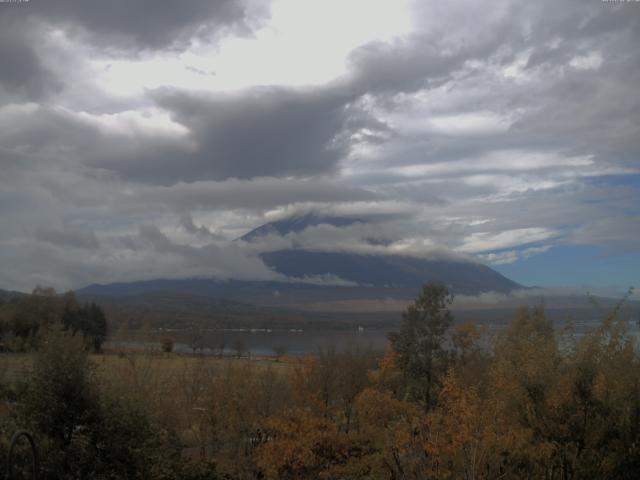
column 138, row 139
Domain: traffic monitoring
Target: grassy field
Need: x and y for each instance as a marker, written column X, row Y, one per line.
column 182, row 391
column 16, row 367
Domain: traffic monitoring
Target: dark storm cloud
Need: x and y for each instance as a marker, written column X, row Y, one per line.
column 140, row 24
column 410, row 64
column 34, row 129
column 114, row 27
column 257, row 133
column 264, row 132
column 83, row 141
column 22, row 72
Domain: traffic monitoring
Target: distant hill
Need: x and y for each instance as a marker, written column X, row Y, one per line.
column 8, row 294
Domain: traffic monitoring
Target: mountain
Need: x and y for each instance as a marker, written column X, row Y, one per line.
column 389, row 271
column 319, row 276
column 367, row 270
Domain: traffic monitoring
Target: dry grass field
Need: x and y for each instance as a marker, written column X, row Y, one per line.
column 16, row 367
column 207, row 401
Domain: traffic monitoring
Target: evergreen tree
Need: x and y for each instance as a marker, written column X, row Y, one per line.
column 420, row 342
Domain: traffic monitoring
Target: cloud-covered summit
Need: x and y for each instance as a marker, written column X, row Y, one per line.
column 504, row 133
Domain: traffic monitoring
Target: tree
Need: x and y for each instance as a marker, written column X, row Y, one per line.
column 85, row 430
column 88, row 319
column 196, row 338
column 96, row 327
column 239, row 347
column 280, row 351
column 167, row 343
column 471, row 358
column 352, row 367
column 23, row 326
column 60, row 402
column 419, row 344
column 34, row 313
column 300, row 442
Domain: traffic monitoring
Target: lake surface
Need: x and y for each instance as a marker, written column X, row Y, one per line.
column 295, row 341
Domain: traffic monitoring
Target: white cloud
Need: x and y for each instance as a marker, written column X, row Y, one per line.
column 566, row 296
column 486, row 241
column 499, row 162
column 471, row 123
column 512, row 256
column 591, row 61
column 133, row 123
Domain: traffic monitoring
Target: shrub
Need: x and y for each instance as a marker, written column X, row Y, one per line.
column 167, row 344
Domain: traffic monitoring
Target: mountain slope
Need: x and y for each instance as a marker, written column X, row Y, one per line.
column 395, row 271
column 389, row 270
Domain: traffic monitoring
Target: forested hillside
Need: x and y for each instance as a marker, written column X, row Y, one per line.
column 26, row 319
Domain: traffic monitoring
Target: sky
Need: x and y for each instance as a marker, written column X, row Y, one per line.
column 138, row 140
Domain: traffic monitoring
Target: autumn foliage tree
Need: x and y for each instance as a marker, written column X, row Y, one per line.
column 448, row 403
